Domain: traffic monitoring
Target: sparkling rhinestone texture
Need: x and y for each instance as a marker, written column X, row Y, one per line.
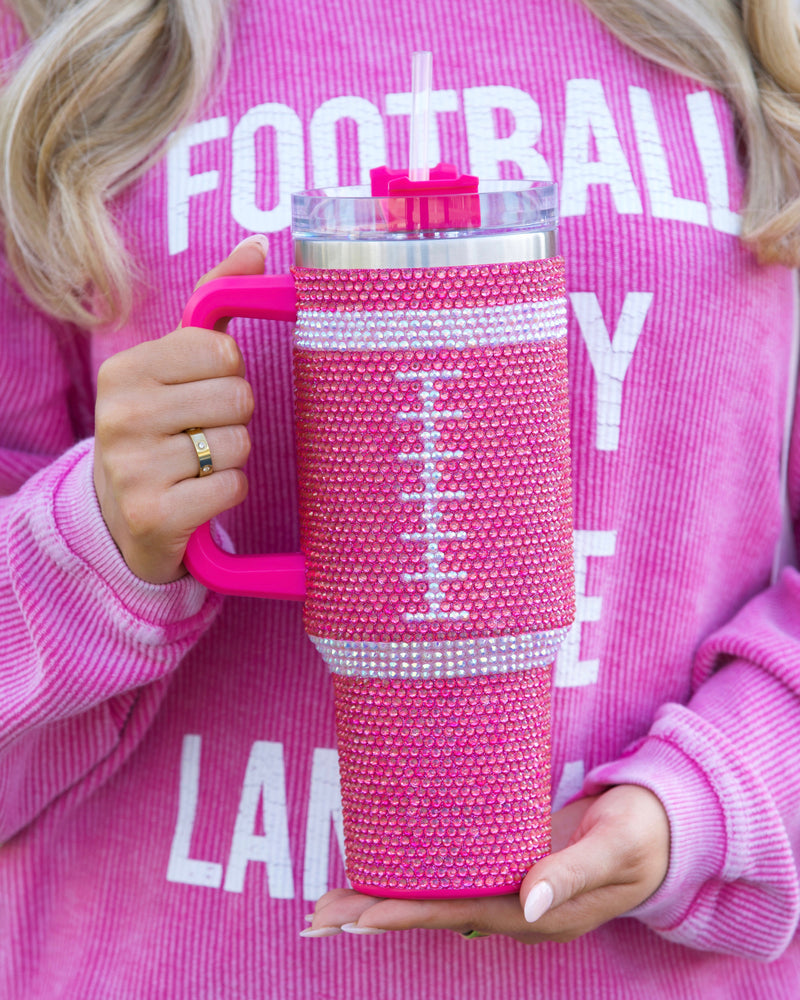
column 448, row 782
column 436, row 525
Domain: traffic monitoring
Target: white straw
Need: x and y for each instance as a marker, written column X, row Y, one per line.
column 421, row 77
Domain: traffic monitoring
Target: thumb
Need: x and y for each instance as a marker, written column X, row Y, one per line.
column 585, row 865
column 621, row 843
column 247, row 257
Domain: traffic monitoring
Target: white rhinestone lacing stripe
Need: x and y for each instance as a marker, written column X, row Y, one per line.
column 440, row 658
column 431, row 329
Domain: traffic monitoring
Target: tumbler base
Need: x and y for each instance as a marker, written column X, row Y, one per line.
column 387, row 892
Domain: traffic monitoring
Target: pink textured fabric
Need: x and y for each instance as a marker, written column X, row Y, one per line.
column 170, row 802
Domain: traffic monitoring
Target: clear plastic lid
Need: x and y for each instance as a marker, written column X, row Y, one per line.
column 353, row 213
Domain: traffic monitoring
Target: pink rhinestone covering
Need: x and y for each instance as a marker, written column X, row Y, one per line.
column 430, row 288
column 435, row 504
column 445, row 783
column 436, row 492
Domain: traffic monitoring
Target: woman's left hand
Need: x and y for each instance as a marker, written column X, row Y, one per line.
column 610, row 852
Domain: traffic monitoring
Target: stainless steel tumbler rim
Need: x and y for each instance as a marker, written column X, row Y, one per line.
column 451, row 251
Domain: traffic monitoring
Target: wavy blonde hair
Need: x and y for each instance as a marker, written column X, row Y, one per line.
column 104, row 82
column 85, row 111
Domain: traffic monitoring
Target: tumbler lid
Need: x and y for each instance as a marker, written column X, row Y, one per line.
column 469, row 210
column 353, row 228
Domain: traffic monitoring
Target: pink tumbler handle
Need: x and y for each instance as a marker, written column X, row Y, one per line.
column 281, row 575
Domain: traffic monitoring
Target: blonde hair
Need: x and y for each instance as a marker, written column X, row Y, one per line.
column 104, row 83
column 85, row 111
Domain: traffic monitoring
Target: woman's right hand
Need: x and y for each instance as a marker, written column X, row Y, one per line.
column 146, row 467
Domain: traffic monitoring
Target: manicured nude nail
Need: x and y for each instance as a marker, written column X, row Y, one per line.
column 539, row 901
column 315, row 932
column 308, row 918
column 355, row 929
column 254, row 240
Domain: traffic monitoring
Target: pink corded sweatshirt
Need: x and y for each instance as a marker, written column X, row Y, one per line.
column 169, row 804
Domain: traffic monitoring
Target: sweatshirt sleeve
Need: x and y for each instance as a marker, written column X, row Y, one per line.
column 725, row 768
column 86, row 648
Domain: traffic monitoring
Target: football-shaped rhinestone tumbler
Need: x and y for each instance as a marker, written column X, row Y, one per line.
column 435, row 523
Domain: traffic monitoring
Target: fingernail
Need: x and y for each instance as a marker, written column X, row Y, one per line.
column 312, row 932
column 355, row 929
column 254, row 240
column 308, row 918
column 539, row 901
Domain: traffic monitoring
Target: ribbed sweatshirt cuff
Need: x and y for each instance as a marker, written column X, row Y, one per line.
column 81, row 542
column 731, row 886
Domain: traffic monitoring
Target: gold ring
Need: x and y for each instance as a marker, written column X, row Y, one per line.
column 200, row 443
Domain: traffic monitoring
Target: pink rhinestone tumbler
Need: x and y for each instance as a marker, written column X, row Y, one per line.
column 436, row 529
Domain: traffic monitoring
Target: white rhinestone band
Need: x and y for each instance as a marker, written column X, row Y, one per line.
column 445, row 658
column 431, row 329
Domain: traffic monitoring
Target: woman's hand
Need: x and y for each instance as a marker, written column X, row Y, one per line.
column 146, row 467
column 610, row 853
